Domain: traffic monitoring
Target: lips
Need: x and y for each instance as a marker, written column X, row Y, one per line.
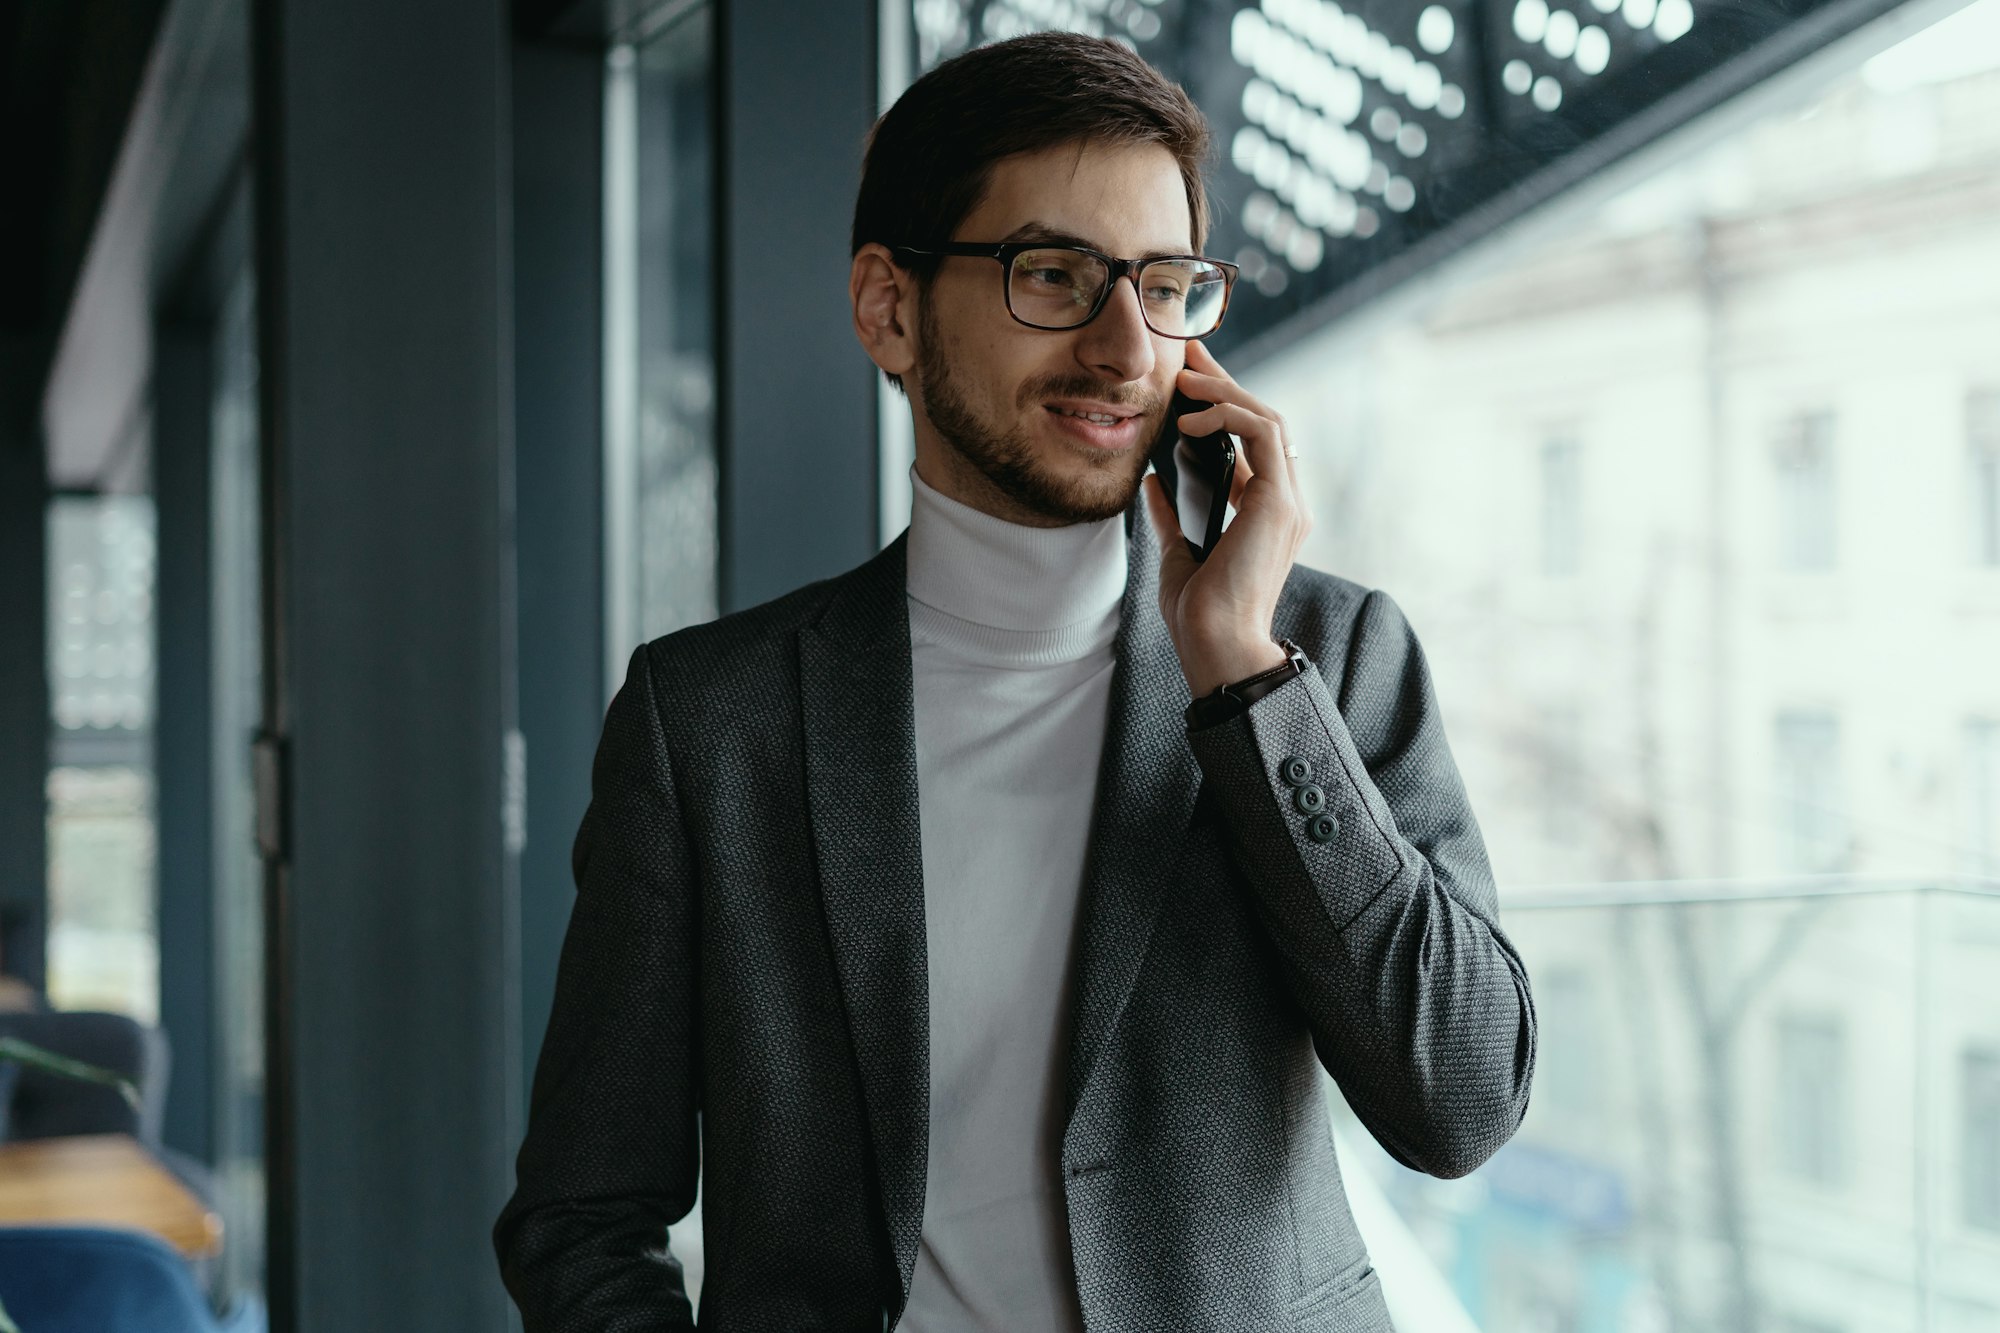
column 1101, row 418
column 1100, row 428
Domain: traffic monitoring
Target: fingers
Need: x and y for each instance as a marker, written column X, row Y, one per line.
column 1267, row 449
column 1263, row 442
column 1204, row 373
column 1221, row 389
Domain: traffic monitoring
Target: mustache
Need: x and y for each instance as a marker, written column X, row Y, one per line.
column 1142, row 401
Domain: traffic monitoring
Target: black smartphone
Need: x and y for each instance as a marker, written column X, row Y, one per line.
column 1197, row 472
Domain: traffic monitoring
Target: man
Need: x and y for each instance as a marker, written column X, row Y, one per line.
column 984, row 981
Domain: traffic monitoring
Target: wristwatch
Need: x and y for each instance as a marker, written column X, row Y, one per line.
column 1228, row 701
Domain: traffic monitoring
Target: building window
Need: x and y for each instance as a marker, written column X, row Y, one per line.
column 1561, row 508
column 1803, row 456
column 1981, row 787
column 1811, row 818
column 1982, row 438
column 1981, row 1147
column 1562, row 777
column 1811, row 1105
column 1570, row 1070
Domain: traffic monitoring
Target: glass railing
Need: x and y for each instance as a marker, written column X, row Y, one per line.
column 1758, row 1108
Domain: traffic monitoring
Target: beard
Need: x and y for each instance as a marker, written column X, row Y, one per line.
column 1008, row 458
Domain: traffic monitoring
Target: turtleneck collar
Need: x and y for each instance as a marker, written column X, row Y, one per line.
column 1005, row 576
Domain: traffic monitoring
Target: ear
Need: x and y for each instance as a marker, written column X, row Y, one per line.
column 884, row 297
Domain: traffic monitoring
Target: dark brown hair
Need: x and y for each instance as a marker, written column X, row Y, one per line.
column 931, row 154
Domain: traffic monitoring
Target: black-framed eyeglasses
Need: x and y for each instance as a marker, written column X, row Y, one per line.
column 1065, row 286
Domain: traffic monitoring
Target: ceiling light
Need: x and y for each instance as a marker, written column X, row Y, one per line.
column 1531, row 20
column 1435, row 30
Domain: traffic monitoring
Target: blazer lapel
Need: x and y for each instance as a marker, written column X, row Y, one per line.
column 1145, row 800
column 861, row 790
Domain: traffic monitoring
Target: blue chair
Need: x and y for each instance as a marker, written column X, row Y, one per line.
column 101, row 1280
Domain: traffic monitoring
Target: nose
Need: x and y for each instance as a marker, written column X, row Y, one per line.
column 1117, row 344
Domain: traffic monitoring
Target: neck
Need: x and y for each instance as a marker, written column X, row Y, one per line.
column 987, row 570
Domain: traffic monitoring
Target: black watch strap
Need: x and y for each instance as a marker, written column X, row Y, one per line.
column 1230, row 700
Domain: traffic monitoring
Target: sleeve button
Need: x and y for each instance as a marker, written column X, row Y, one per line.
column 1322, row 828
column 1309, row 799
column 1296, row 772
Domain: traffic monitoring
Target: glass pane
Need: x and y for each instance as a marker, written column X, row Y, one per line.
column 1750, row 1113
column 1676, row 484
column 1667, row 485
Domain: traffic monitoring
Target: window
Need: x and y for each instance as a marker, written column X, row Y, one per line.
column 1711, row 332
column 1982, row 438
column 1561, row 507
column 103, row 947
column 1981, row 1130
column 1803, row 455
column 1981, row 785
column 1811, row 821
column 661, row 471
column 1810, row 1130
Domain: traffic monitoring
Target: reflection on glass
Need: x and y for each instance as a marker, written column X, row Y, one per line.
column 1737, row 766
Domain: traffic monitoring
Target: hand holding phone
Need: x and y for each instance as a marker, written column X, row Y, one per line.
column 1198, row 473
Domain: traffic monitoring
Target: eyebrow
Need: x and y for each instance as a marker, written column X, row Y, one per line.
column 1041, row 233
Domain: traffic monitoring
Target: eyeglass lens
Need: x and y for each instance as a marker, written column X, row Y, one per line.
column 1059, row 289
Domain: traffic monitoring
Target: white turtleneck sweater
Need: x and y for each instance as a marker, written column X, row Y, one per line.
column 1011, row 632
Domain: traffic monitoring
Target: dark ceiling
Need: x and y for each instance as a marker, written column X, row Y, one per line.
column 69, row 70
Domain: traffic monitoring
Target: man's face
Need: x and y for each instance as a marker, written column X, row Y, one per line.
column 1006, row 402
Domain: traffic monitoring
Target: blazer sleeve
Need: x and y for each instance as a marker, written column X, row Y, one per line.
column 1372, row 881
column 612, row 1148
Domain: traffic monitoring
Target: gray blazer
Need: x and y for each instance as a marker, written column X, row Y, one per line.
column 744, row 976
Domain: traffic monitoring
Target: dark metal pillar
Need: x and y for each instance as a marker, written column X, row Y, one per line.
column 384, row 251
column 183, row 388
